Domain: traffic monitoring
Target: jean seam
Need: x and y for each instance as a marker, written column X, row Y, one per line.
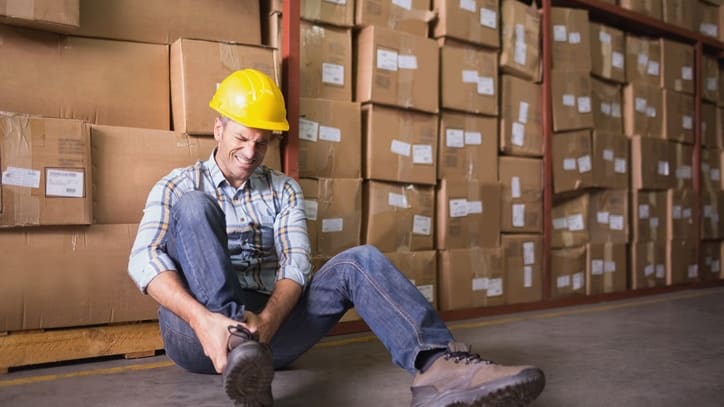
column 182, row 243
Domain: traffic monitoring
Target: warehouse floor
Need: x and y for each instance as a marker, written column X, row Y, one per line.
column 658, row 350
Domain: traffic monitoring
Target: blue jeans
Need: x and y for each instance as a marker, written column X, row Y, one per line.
column 360, row 277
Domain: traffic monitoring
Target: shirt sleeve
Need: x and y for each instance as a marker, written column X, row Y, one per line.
column 290, row 235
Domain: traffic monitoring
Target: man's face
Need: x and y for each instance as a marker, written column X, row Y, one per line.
column 240, row 149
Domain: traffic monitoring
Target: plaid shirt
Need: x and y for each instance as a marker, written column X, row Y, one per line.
column 265, row 224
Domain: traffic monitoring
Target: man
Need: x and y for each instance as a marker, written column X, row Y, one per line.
column 222, row 247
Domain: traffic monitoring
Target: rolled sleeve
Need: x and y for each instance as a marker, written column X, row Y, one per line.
column 291, row 239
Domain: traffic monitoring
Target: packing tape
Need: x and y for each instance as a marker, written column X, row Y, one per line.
column 405, row 76
column 608, row 278
column 26, row 200
column 24, row 9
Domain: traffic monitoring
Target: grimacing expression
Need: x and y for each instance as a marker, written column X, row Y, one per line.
column 240, row 149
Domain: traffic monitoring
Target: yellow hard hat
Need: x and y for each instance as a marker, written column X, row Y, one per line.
column 252, row 99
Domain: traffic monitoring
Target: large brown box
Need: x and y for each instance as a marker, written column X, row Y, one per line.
column 681, row 214
column 46, row 172
column 606, row 268
column 706, row 19
column 599, row 216
column 330, row 138
column 325, row 60
column 583, row 160
column 411, row 16
column 571, row 94
column 103, row 82
column 196, row 69
column 710, row 79
column 334, row 214
column 711, row 220
column 398, row 69
column 471, row 278
column 682, row 158
column 678, row 117
column 338, row 13
column 568, row 272
column 398, row 217
column 145, row 156
column 570, row 32
column 475, row 22
column 643, row 110
column 649, row 8
column 520, row 117
column 679, row 13
column 165, row 21
column 468, row 79
column 522, row 194
column 710, row 260
column 50, row 15
column 520, row 53
column 606, row 100
column 682, row 264
column 709, row 136
column 648, row 264
column 421, row 269
column 43, row 269
column 468, row 214
column 643, row 60
column 523, row 268
column 677, row 66
column 608, row 51
column 710, row 169
column 651, row 163
column 648, row 216
column 468, row 147
column 399, row 145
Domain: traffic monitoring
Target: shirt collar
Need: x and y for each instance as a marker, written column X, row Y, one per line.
column 256, row 181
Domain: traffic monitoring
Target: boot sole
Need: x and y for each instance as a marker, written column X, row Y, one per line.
column 516, row 391
column 248, row 376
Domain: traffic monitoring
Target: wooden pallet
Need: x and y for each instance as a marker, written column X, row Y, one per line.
column 25, row 348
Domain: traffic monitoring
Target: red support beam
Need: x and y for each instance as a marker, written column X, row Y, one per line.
column 290, row 85
column 546, row 120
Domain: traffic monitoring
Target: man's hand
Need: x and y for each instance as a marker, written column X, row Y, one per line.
column 212, row 330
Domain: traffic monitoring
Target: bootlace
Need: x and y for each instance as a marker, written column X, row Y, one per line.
column 466, row 358
column 240, row 332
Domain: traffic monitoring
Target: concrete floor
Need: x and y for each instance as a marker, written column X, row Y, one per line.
column 662, row 350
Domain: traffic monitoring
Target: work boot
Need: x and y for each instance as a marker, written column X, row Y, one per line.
column 249, row 370
column 460, row 378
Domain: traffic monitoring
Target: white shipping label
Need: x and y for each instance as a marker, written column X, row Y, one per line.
column 653, row 223
column 340, row 2
column 687, row 73
column 488, row 18
column 400, row 147
column 427, row 291
column 560, row 33
column 664, row 168
column 606, row 108
column 330, row 225
column 660, row 271
column 686, row 213
column 527, row 276
column 386, row 59
column 616, row 222
column 644, row 211
column 65, row 183
column 495, row 287
column 653, row 68
column 422, row 154
column 714, row 174
column 310, row 209
column 468, row 5
column 602, row 217
column 575, row 222
column 569, row 164
column 715, row 266
column 397, row 200
column 574, row 38
column 708, row 29
column 560, row 223
column 519, row 33
column 584, row 164
column 683, row 172
column 712, row 84
column 640, row 104
column 604, row 37
column 563, row 281
column 407, row 62
column 520, row 53
column 693, row 270
column 676, row 212
column 569, row 100
column 596, row 267
column 616, row 110
column 454, row 138
column 523, row 112
column 308, row 130
column 528, row 253
column 649, row 269
column 470, row 76
column 21, row 177
column 480, row 283
column 518, row 134
column 650, row 111
column 707, row 211
column 332, row 134
column 687, row 122
column 617, row 60
column 643, row 60
column 406, row 4
column 578, row 281
column 610, row 267
column 475, row 207
column 515, row 187
column 421, row 225
column 619, row 166
column 333, row 74
column 458, row 208
column 486, row 85
column 518, row 215
column 473, row 138
column 608, row 154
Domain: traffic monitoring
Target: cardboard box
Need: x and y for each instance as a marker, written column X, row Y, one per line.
column 468, row 147
column 643, row 110
column 334, row 214
column 474, row 22
column 468, row 214
column 649, row 8
column 523, row 268
column 648, row 213
column 648, row 265
column 468, row 79
column 49, row 15
column 398, row 217
column 196, row 69
column 710, row 79
column 682, row 157
column 520, row 52
column 325, row 55
column 471, row 278
column 520, row 117
column 681, row 214
column 719, row 125
column 398, row 69
column 399, row 145
column 421, row 269
column 568, row 272
column 87, row 264
column 599, row 216
column 678, row 117
column 643, row 60
column 677, row 66
column 710, row 260
column 165, row 21
column 710, row 169
column 709, row 136
column 608, row 53
column 103, row 82
column 651, row 164
column 682, row 263
column 606, row 99
column 721, row 80
column 606, row 268
column 337, row 13
column 411, row 16
column 571, row 94
column 45, row 168
column 679, row 13
column 330, row 138
column 706, row 19
column 522, row 194
column 711, row 221
column 127, row 163
column 571, row 39
column 721, row 23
